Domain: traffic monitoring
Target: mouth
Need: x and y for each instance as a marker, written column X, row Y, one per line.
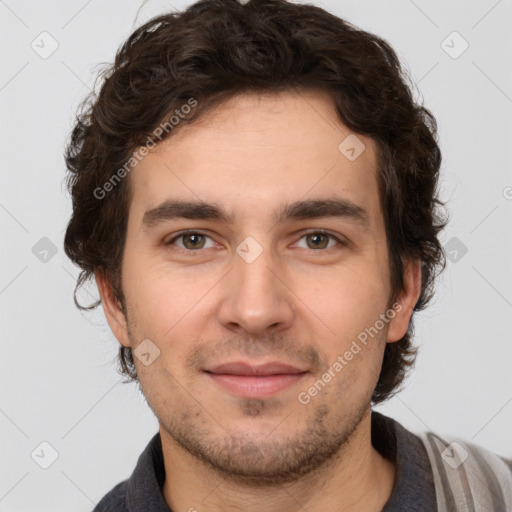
column 253, row 381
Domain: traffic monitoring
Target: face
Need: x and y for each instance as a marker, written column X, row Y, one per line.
column 247, row 304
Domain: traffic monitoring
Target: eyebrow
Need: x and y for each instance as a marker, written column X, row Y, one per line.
column 299, row 210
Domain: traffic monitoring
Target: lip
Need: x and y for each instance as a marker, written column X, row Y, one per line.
column 242, row 368
column 251, row 381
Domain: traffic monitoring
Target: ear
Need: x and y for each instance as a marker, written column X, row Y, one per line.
column 404, row 305
column 113, row 312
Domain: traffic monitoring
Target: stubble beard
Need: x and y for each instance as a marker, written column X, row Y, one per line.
column 265, row 460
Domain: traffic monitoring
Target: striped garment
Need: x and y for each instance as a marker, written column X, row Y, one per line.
column 468, row 478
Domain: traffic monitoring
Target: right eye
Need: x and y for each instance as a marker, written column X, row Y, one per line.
column 191, row 241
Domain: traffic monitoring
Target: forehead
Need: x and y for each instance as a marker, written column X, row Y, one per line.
column 256, row 151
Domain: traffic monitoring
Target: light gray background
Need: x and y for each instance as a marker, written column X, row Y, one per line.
column 58, row 381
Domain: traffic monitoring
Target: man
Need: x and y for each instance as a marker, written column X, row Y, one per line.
column 254, row 193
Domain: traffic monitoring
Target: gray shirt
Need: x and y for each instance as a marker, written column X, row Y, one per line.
column 413, row 490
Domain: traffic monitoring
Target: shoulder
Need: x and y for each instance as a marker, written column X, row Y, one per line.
column 114, row 500
column 468, row 476
column 143, row 489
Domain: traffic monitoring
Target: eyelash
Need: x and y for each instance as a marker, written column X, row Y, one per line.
column 309, row 232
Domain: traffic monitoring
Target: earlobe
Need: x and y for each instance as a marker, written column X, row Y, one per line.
column 406, row 301
column 113, row 312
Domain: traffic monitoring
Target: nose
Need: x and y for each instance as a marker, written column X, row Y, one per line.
column 256, row 297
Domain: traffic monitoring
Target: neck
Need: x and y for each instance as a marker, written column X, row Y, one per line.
column 357, row 478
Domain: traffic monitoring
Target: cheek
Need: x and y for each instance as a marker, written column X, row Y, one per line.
column 349, row 302
column 169, row 305
column 347, row 295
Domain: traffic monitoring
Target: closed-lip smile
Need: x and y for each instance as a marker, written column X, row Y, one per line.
column 255, row 381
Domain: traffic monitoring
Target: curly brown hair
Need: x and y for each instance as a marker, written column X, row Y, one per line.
column 216, row 49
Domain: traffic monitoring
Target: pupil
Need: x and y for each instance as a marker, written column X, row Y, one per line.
column 191, row 239
column 316, row 238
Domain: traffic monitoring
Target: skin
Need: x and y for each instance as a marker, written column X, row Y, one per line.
column 296, row 303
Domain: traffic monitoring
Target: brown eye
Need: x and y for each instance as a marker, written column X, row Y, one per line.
column 190, row 241
column 193, row 241
column 318, row 240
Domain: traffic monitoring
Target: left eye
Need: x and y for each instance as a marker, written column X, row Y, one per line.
column 320, row 240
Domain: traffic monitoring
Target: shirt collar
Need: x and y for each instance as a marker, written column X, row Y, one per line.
column 144, row 490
